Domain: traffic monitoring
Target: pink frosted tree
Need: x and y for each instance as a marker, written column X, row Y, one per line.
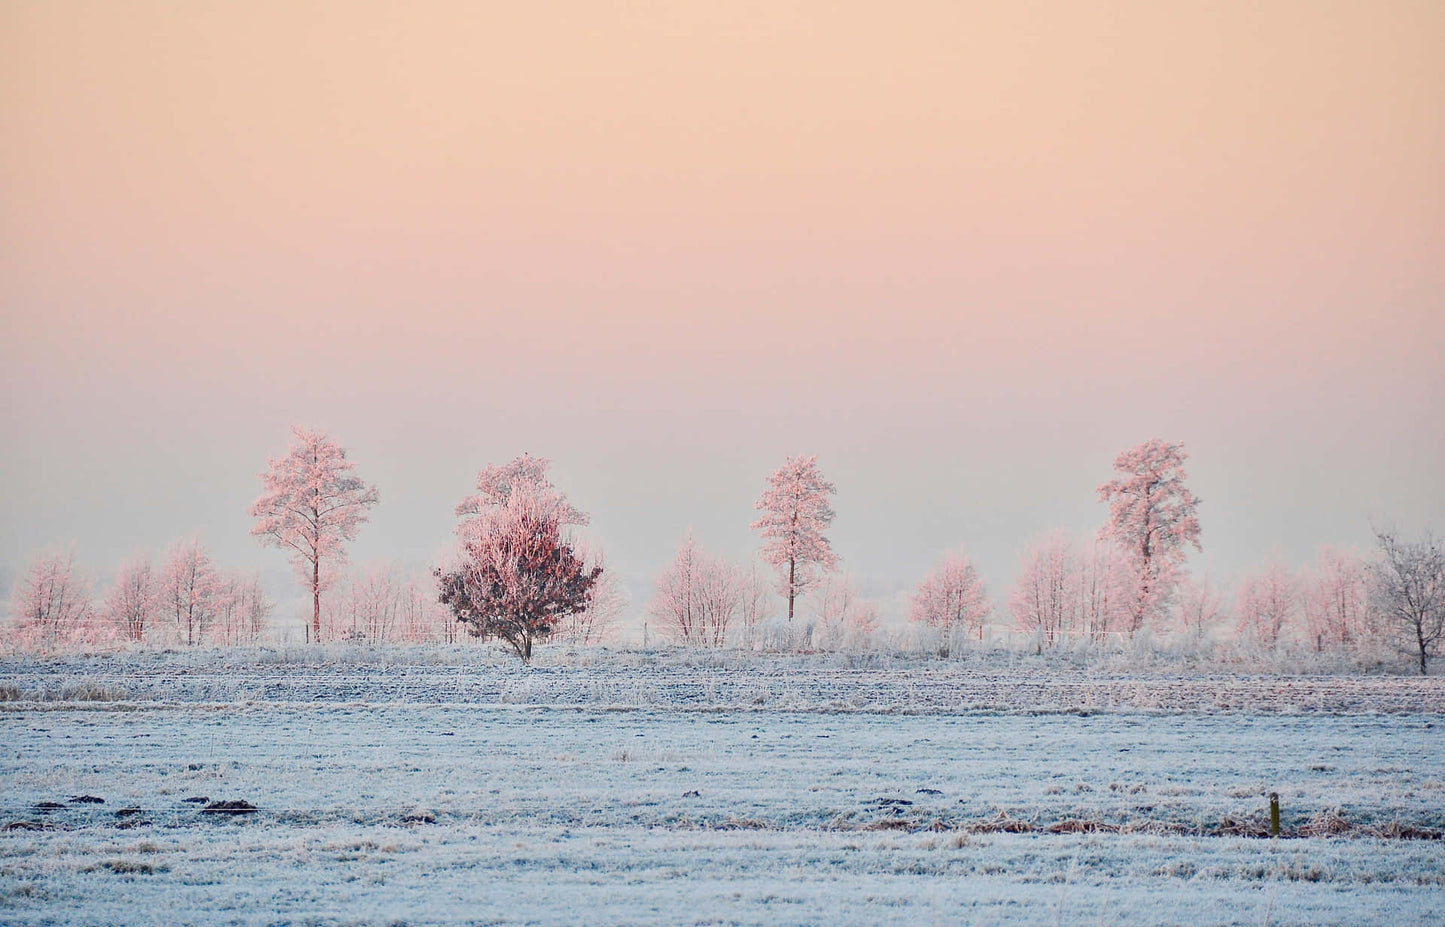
column 755, row 608
column 1107, row 581
column 697, row 597
column 50, row 605
column 952, row 597
column 1045, row 597
column 1200, row 609
column 497, row 484
column 311, row 505
column 518, row 575
column 386, row 601
column 130, row 604
column 364, row 606
column 795, row 514
column 191, row 592
column 1153, row 516
column 241, row 610
column 842, row 617
column 597, row 622
column 1267, row 606
column 420, row 617
column 1336, row 600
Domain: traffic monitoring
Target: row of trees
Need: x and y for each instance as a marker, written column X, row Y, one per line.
column 520, row 575
column 1130, row 576
column 186, row 600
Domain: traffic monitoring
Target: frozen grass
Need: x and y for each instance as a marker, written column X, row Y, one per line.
column 381, row 804
column 696, row 680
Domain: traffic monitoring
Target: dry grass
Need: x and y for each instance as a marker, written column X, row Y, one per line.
column 1001, row 824
column 90, row 692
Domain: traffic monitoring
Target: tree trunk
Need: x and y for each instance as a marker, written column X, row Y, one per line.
column 316, row 600
column 792, row 589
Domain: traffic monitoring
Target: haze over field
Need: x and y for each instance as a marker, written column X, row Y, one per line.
column 964, row 253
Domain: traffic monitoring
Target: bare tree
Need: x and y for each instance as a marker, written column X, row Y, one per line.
column 596, row 623
column 1108, row 582
column 130, row 605
column 311, row 505
column 1407, row 586
column 1200, row 608
column 366, row 606
column 191, row 592
column 952, row 597
column 1045, row 597
column 697, row 596
column 241, row 610
column 1336, row 599
column 50, row 604
column 421, row 617
column 841, row 617
column 1267, row 605
column 755, row 602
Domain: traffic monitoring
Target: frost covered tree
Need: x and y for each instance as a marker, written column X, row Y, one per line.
column 130, row 604
column 952, row 597
column 365, row 605
column 1200, row 609
column 841, row 617
column 1153, row 516
column 755, row 608
column 1267, row 605
column 191, row 592
column 1107, row 581
column 1336, row 600
column 697, row 596
column 50, row 604
column 518, row 573
column 597, row 622
column 496, row 486
column 1407, row 587
column 311, row 505
column 241, row 610
column 421, row 617
column 795, row 514
column 1045, row 597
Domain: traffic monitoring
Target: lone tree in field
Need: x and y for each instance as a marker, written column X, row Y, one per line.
column 519, row 574
column 311, row 506
column 1152, row 516
column 795, row 515
column 1407, row 587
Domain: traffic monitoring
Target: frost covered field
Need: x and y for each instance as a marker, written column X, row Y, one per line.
column 451, row 786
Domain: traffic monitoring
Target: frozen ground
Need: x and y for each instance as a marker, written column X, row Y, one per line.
column 436, row 789
column 876, row 683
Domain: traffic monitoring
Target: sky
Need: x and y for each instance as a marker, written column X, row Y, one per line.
column 965, row 253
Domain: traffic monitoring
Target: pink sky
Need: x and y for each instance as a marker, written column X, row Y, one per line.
column 965, row 253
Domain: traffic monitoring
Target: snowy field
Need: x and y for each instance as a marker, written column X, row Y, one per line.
column 451, row 786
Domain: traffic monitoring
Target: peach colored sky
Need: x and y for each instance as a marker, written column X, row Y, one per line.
column 963, row 252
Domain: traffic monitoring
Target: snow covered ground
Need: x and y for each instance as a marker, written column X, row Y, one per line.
column 427, row 787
